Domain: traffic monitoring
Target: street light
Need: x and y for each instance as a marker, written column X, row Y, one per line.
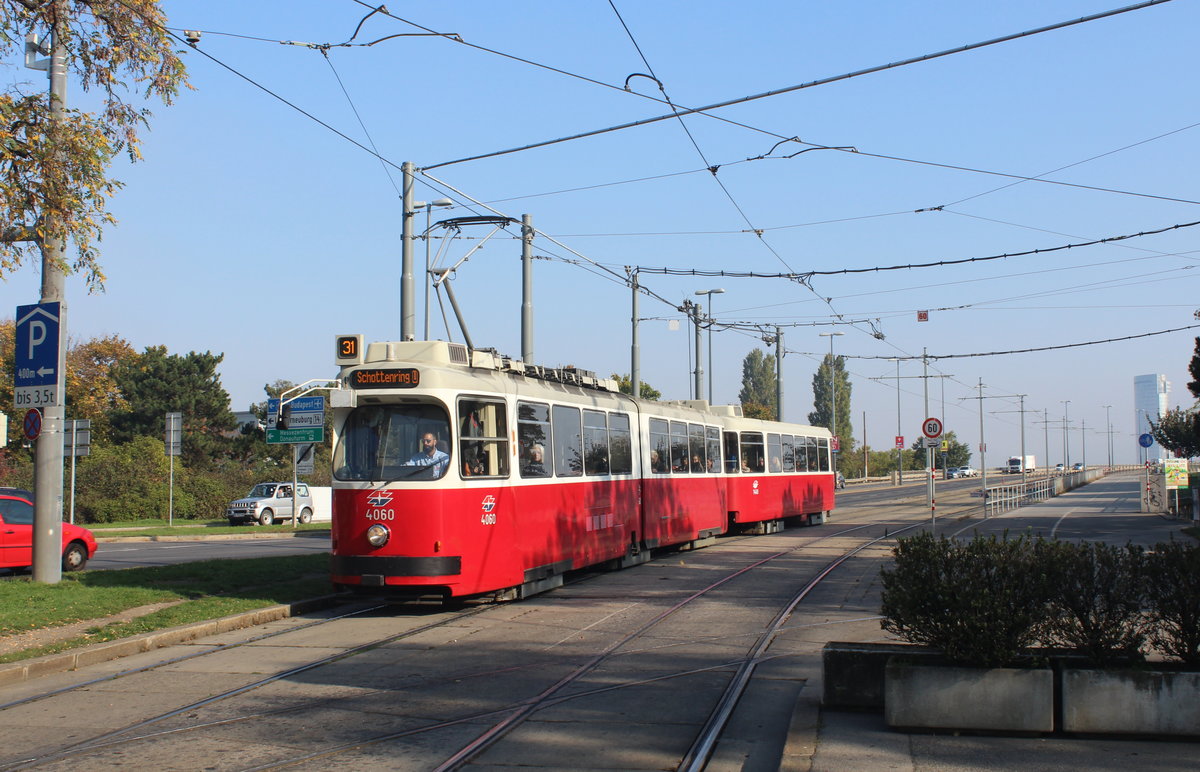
column 429, row 205
column 710, row 293
column 833, row 390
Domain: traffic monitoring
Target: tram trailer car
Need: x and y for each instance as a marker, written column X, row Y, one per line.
column 461, row 473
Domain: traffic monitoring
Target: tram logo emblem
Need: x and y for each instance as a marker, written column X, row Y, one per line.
column 380, row 498
column 755, row 486
column 489, row 503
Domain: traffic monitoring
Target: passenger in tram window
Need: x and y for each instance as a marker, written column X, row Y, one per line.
column 656, row 463
column 681, row 463
column 710, row 466
column 473, row 465
column 430, row 455
column 775, row 465
column 697, row 464
column 534, row 464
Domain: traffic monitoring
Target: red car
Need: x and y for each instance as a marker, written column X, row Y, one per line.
column 16, row 535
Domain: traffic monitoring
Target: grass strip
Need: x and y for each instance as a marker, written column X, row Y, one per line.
column 209, row 589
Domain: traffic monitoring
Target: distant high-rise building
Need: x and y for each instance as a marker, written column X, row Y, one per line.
column 1150, row 394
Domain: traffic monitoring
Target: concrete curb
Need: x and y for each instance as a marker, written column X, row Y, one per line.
column 23, row 670
column 218, row 537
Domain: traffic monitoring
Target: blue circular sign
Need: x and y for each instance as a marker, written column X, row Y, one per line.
column 1146, row 440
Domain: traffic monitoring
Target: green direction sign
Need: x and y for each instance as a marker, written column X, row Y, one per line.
column 305, row 434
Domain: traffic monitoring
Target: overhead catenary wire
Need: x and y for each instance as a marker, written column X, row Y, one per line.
column 810, row 84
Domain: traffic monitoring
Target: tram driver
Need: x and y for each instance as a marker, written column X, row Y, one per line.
column 430, row 455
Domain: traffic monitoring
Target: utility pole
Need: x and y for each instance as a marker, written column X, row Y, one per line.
column 48, row 455
column 699, row 384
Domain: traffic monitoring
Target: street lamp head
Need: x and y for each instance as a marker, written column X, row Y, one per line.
column 442, row 202
column 710, row 292
column 830, row 334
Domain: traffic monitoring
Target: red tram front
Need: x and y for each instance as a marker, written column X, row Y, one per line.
column 460, row 473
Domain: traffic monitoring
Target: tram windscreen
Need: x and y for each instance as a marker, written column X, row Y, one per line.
column 393, row 442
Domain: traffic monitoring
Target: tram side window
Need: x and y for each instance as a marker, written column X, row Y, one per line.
column 712, row 443
column 696, row 448
column 393, row 443
column 814, row 452
column 774, row 453
column 620, row 444
column 679, row 447
column 789, row 453
column 483, row 437
column 595, row 442
column 731, row 453
column 568, row 442
column 823, row 453
column 802, row 444
column 660, row 446
column 754, row 458
column 533, row 434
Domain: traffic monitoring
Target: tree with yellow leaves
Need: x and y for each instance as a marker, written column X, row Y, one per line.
column 54, row 176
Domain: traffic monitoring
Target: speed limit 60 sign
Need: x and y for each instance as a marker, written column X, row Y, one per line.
column 932, row 428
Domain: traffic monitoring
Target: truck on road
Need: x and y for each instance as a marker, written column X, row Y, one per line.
column 1018, row 464
column 271, row 502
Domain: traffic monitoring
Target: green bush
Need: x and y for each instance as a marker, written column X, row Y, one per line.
column 1173, row 591
column 124, row 482
column 981, row 603
column 1097, row 601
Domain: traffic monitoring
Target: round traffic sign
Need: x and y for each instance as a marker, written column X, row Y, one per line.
column 932, row 428
column 32, row 425
column 1146, row 440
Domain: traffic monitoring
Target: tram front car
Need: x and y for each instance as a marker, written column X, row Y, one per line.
column 400, row 516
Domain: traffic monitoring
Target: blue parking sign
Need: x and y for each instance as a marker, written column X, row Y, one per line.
column 36, row 345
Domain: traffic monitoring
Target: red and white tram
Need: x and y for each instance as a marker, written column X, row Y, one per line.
column 460, row 473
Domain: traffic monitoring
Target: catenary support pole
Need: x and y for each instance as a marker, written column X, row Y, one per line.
column 527, row 288
column 408, row 295
column 778, row 374
column 634, row 353
column 699, row 385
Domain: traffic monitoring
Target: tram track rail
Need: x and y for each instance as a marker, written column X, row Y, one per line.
column 704, row 744
column 509, row 717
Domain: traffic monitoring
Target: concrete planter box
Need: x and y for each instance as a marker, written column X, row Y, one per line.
column 852, row 672
column 926, row 696
column 1143, row 702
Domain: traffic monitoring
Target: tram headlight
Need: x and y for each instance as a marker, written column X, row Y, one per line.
column 378, row 535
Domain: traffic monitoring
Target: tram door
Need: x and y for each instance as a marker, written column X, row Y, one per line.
column 731, row 455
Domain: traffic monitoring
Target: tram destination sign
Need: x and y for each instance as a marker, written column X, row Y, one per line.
column 386, row 378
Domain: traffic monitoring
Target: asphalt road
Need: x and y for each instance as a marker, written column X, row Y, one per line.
column 150, row 553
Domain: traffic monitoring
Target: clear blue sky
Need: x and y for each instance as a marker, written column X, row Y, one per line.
column 252, row 230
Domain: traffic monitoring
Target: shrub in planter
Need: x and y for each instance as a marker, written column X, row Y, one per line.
column 1097, row 601
column 980, row 603
column 1173, row 592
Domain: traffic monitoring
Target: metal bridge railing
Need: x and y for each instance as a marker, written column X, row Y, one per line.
column 1009, row 496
